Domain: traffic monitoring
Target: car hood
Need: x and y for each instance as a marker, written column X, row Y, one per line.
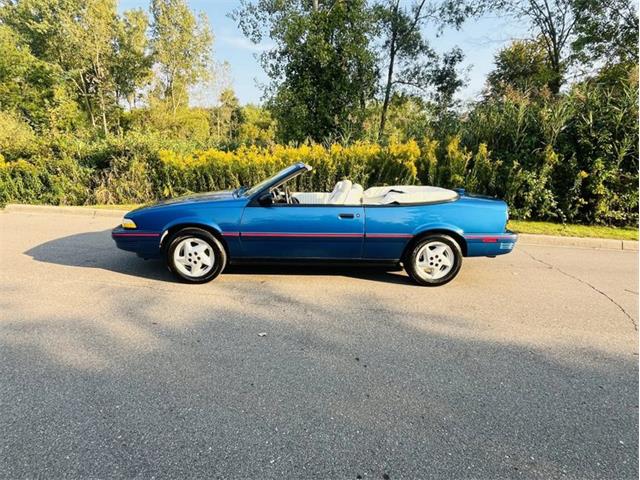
column 200, row 197
column 221, row 196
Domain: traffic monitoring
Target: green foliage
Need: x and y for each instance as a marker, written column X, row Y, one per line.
column 16, row 136
column 481, row 178
column 322, row 67
column 606, row 31
column 183, row 124
column 227, row 119
column 131, row 65
column 523, row 66
column 257, row 128
column 94, row 105
column 181, row 48
column 42, row 180
column 602, row 140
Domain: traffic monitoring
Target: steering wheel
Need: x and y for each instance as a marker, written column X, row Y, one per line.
column 277, row 194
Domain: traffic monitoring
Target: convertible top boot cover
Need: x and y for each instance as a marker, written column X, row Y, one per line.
column 407, row 194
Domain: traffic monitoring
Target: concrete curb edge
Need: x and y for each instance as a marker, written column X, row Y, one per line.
column 600, row 243
column 48, row 209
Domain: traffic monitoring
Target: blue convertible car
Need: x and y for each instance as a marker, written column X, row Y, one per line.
column 426, row 229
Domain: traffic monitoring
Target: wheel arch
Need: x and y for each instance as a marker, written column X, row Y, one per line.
column 454, row 233
column 172, row 229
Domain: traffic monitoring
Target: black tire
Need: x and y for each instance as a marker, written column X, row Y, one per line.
column 217, row 249
column 415, row 272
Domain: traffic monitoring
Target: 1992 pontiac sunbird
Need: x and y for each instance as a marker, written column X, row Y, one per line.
column 426, row 229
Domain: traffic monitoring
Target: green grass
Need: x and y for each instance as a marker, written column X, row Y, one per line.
column 520, row 226
column 548, row 228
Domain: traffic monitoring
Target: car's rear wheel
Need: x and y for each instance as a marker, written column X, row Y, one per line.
column 195, row 255
column 434, row 260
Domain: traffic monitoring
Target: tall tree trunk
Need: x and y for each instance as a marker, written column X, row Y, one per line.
column 84, row 91
column 556, row 66
column 316, row 5
column 387, row 89
column 392, row 61
column 105, row 128
column 555, row 62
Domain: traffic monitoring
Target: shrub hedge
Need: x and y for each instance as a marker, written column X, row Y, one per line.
column 137, row 170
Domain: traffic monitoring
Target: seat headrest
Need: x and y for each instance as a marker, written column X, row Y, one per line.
column 355, row 195
column 340, row 192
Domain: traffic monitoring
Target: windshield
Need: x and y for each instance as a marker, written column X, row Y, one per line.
column 256, row 188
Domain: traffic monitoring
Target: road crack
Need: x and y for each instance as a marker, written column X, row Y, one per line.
column 593, row 287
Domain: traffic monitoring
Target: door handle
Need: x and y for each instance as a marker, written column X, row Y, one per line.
column 345, row 215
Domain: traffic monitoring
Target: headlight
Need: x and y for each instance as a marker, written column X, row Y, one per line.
column 128, row 223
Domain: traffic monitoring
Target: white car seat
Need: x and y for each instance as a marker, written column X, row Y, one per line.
column 311, row 198
column 355, row 195
column 340, row 192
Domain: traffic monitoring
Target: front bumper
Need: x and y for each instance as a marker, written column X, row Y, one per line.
column 490, row 244
column 145, row 244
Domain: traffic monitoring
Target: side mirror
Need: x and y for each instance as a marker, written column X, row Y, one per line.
column 265, row 199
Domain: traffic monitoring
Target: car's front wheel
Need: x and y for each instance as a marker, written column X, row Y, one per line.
column 195, row 255
column 434, row 260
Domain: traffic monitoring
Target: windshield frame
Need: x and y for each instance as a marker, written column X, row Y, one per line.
column 280, row 177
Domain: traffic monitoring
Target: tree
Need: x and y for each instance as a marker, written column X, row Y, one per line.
column 131, row 63
column 606, row 32
column 25, row 82
column 408, row 118
column 78, row 37
column 181, row 48
column 553, row 22
column 228, row 116
column 257, row 128
column 90, row 34
column 410, row 61
column 322, row 68
column 522, row 66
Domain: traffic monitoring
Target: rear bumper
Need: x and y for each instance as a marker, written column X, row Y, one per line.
column 490, row 244
column 145, row 244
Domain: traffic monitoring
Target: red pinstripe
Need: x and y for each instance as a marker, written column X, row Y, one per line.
column 388, row 235
column 316, row 235
column 135, row 234
column 312, row 235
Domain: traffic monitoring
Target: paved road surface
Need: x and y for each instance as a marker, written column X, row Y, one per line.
column 524, row 367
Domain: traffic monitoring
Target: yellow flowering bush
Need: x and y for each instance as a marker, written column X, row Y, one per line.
column 365, row 163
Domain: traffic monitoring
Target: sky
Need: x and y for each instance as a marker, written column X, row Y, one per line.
column 479, row 39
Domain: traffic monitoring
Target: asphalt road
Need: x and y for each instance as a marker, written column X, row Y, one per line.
column 525, row 366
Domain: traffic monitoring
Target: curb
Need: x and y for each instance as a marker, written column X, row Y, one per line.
column 523, row 238
column 49, row 209
column 600, row 243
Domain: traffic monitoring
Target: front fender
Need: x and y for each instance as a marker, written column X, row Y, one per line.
column 191, row 221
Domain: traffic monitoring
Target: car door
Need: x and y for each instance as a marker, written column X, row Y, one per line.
column 302, row 231
column 390, row 228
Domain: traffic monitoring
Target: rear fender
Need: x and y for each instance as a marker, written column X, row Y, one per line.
column 437, row 226
column 445, row 228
